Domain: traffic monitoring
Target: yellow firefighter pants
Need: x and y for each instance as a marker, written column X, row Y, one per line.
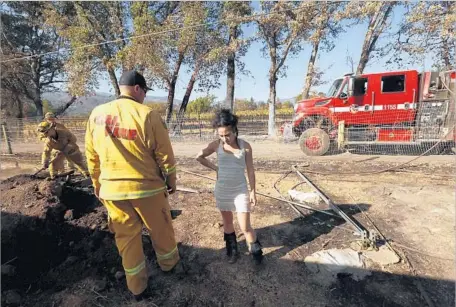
column 126, row 218
column 71, row 165
column 74, row 158
column 56, row 166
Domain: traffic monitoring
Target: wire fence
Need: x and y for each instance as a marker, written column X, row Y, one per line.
column 405, row 130
column 21, row 135
column 389, row 129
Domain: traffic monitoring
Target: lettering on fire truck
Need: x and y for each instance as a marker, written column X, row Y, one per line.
column 113, row 129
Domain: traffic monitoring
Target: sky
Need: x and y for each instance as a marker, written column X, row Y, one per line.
column 257, row 86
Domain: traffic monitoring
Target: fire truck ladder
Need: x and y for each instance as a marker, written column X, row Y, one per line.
column 368, row 237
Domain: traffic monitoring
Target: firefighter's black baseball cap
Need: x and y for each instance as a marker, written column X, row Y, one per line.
column 132, row 78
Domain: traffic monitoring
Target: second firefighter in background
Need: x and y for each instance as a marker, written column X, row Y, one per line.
column 59, row 143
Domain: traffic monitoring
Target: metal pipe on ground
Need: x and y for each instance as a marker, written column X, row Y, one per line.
column 283, row 198
column 329, row 202
column 272, row 197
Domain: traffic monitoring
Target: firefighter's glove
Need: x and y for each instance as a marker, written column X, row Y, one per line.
column 171, row 183
column 171, row 189
column 58, row 153
column 46, row 164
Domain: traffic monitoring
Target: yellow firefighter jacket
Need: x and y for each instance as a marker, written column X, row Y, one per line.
column 65, row 141
column 128, row 151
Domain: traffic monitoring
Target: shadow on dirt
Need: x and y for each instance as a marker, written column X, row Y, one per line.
column 53, row 258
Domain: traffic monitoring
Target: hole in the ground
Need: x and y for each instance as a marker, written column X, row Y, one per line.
column 79, row 200
column 37, row 246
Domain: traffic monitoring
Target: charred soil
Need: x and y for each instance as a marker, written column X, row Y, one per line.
column 57, row 250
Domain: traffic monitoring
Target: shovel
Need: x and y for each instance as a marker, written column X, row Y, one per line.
column 43, row 168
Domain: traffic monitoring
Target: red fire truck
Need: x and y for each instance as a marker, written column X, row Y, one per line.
column 399, row 107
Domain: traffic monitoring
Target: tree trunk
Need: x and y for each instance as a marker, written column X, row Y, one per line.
column 374, row 30
column 38, row 103
column 20, row 114
column 365, row 51
column 185, row 100
column 20, row 106
column 170, row 102
column 113, row 78
column 66, row 106
column 310, row 70
column 172, row 87
column 35, row 67
column 272, row 100
column 231, row 71
column 230, row 77
column 446, row 55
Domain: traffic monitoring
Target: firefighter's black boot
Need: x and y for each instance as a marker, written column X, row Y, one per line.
column 256, row 251
column 232, row 250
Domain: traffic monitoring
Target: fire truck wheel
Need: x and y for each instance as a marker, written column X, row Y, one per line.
column 314, row 142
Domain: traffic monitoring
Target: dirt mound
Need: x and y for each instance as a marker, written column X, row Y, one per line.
column 45, row 225
column 57, row 249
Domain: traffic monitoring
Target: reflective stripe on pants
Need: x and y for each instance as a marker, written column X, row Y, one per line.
column 126, row 218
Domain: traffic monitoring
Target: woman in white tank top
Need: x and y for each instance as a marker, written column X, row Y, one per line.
column 234, row 157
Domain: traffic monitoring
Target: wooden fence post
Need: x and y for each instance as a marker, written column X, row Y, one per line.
column 341, row 134
column 199, row 124
column 6, row 138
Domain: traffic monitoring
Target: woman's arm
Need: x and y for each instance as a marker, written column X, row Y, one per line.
column 209, row 150
column 250, row 172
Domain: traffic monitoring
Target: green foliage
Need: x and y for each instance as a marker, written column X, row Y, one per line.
column 29, row 110
column 25, row 32
column 287, row 105
column 47, row 106
column 244, row 104
column 157, row 106
column 201, row 104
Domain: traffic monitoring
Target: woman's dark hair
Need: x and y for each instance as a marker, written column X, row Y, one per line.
column 224, row 118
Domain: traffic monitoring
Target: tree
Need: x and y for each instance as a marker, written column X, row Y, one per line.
column 157, row 106
column 244, row 104
column 47, row 106
column 161, row 56
column 13, row 98
column 287, row 105
column 378, row 14
column 206, row 57
column 30, row 65
column 349, row 61
column 89, row 26
column 201, row 104
column 282, row 31
column 325, row 28
column 234, row 11
column 428, row 28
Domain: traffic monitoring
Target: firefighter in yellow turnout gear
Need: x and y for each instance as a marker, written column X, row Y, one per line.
column 52, row 118
column 132, row 165
column 60, row 142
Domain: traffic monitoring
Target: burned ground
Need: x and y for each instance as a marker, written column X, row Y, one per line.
column 57, row 249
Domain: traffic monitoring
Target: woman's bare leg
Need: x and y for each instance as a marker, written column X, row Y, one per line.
column 246, row 227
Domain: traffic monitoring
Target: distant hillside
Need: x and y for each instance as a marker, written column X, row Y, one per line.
column 84, row 105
